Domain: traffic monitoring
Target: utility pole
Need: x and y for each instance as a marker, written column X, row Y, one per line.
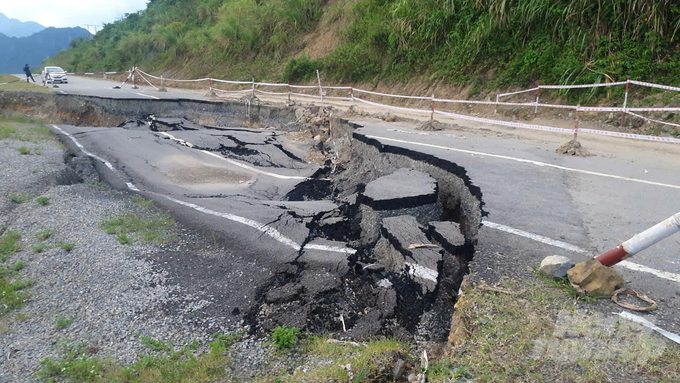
column 91, row 25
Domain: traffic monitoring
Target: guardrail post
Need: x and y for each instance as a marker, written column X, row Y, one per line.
column 641, row 241
column 351, row 93
column 134, row 84
column 625, row 101
column 578, row 107
column 432, row 108
column 318, row 77
column 538, row 94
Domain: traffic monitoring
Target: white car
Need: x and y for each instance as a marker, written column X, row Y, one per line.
column 54, row 74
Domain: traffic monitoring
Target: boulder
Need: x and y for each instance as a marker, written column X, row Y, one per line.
column 594, row 279
column 551, row 263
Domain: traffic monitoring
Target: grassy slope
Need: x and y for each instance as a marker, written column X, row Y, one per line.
column 483, row 43
column 13, row 83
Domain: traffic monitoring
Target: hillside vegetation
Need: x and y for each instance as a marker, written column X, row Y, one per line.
column 486, row 43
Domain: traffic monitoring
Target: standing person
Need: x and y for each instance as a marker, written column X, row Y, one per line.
column 28, row 73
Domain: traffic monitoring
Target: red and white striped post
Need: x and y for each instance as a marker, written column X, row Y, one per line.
column 351, row 93
column 432, row 108
column 538, row 94
column 318, row 77
column 641, row 241
column 578, row 107
column 625, row 101
column 134, row 83
column 288, row 82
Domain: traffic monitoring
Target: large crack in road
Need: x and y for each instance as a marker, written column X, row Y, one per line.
column 381, row 235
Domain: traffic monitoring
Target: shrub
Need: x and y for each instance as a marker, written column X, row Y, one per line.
column 301, row 69
column 43, row 201
column 285, row 337
column 39, row 248
column 18, row 198
column 67, row 246
column 24, row 150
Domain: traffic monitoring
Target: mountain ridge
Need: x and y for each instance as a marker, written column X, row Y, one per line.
column 16, row 28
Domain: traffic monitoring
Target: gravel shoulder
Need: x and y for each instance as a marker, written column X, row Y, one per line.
column 114, row 293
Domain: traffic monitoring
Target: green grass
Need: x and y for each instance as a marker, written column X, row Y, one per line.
column 12, row 294
column 285, row 337
column 42, row 201
column 9, row 244
column 62, row 322
column 18, row 198
column 24, row 150
column 145, row 228
column 38, row 248
column 67, row 246
column 370, row 363
column 123, row 239
column 45, row 234
column 18, row 265
column 142, row 202
column 22, row 129
column 185, row 365
column 11, row 84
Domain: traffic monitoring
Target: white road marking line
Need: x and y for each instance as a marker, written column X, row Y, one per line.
column 252, row 169
column 146, row 95
column 537, row 163
column 417, row 270
column 62, row 92
column 270, row 231
column 638, row 319
column 563, row 245
column 645, row 269
column 535, row 237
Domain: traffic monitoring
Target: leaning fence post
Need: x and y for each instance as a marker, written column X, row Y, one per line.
column 161, row 81
column 134, row 84
column 538, row 94
column 432, row 108
column 252, row 91
column 209, row 83
column 625, row 101
column 578, row 107
column 496, row 110
column 288, row 82
column 318, row 77
column 351, row 93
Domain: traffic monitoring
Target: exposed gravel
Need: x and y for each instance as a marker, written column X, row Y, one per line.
column 115, row 292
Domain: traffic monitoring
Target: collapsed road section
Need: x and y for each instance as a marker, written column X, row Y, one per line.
column 373, row 240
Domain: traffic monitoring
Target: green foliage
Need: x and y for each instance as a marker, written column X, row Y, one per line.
column 24, row 150
column 300, row 69
column 45, row 234
column 285, row 337
column 18, row 265
column 122, row 238
column 489, row 43
column 9, row 244
column 67, row 246
column 43, row 201
column 38, row 248
column 152, row 228
column 62, row 322
column 75, row 365
column 18, row 198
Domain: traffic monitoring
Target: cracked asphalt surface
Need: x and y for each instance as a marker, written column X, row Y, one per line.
column 592, row 212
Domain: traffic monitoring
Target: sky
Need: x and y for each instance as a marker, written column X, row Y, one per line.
column 70, row 13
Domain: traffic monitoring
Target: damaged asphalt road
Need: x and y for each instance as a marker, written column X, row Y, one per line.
column 313, row 245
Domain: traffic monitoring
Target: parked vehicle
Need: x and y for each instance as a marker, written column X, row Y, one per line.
column 54, row 75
